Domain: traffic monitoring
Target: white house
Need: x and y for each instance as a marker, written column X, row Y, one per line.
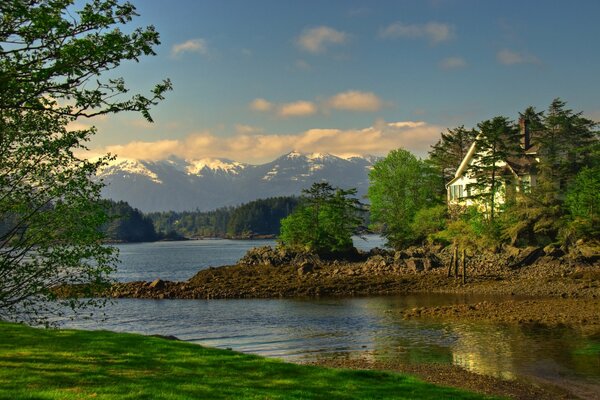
column 518, row 171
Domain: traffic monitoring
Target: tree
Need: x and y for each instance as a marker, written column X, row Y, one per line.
column 497, row 141
column 567, row 144
column 53, row 60
column 324, row 222
column 583, row 203
column 127, row 224
column 449, row 151
column 400, row 185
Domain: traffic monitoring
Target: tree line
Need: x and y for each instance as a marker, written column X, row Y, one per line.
column 256, row 218
column 408, row 195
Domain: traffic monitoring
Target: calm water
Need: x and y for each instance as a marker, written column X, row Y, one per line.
column 179, row 261
column 353, row 327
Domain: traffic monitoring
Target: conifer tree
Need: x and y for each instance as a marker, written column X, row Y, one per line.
column 449, row 151
column 497, row 141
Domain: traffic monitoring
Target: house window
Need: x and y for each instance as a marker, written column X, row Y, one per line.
column 456, row 192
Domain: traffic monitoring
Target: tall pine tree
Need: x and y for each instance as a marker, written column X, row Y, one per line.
column 497, row 141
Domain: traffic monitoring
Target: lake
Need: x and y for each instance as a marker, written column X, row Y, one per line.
column 309, row 329
column 179, row 261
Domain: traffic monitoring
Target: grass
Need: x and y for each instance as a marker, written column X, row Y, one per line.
column 71, row 364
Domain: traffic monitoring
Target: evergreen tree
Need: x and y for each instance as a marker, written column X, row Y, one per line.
column 497, row 141
column 324, row 222
column 449, row 151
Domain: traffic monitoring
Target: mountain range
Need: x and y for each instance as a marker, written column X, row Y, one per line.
column 184, row 185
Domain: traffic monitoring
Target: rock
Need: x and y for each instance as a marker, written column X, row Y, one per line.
column 157, row 284
column 528, row 256
column 267, row 256
column 378, row 262
column 415, row 264
column 553, row 251
column 587, row 251
column 306, row 268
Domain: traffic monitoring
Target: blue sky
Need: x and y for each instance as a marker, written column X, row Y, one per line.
column 255, row 79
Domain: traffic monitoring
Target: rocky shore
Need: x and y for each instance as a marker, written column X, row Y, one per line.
column 549, row 286
column 265, row 272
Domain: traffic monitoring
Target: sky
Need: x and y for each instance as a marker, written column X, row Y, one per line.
column 256, row 79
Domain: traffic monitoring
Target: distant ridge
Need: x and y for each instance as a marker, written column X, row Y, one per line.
column 209, row 183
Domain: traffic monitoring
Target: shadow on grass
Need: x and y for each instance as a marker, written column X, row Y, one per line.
column 69, row 364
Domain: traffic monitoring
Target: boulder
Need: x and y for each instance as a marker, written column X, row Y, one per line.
column 265, row 255
column 378, row 262
column 306, row 268
column 528, row 256
column 158, row 284
column 553, row 251
column 415, row 264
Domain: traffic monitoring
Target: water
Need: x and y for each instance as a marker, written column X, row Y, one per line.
column 179, row 261
column 311, row 329
column 372, row 327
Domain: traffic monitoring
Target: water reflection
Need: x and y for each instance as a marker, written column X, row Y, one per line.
column 371, row 327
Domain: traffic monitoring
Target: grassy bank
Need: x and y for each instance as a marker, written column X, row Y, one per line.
column 70, row 364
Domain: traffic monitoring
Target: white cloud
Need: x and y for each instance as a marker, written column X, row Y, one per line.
column 354, row 100
column 378, row 139
column 261, row 105
column 453, row 63
column 190, row 46
column 316, row 40
column 509, row 57
column 435, row 32
column 298, row 108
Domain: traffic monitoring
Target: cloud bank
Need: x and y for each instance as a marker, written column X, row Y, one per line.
column 351, row 100
column 255, row 147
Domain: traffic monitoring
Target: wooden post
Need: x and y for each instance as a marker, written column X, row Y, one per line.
column 456, row 261
column 464, row 266
column 450, row 265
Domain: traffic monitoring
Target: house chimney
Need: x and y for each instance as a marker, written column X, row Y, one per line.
column 525, row 135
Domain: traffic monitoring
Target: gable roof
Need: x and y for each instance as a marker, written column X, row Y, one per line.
column 519, row 165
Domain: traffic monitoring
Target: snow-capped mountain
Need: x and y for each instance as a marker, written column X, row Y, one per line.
column 209, row 183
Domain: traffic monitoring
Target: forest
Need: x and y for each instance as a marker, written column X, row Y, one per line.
column 258, row 218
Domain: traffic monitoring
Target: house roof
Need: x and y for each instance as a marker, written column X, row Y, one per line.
column 520, row 165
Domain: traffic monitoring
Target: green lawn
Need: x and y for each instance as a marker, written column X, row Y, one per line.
column 70, row 364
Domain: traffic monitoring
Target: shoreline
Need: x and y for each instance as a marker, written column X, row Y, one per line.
column 528, row 388
column 536, row 287
column 545, row 275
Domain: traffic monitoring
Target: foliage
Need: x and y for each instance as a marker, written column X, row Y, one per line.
column 449, row 151
column 52, row 60
column 567, row 145
column 258, row 217
column 583, row 203
column 324, row 222
column 497, row 141
column 68, row 364
column 428, row 221
column 401, row 185
column 471, row 230
column 127, row 224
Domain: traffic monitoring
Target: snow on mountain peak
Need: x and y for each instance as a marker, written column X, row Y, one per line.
column 128, row 166
column 228, row 166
